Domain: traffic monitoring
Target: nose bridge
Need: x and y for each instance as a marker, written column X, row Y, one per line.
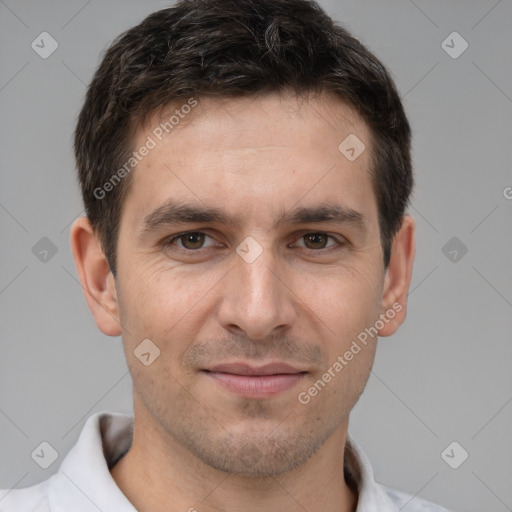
column 256, row 300
column 259, row 282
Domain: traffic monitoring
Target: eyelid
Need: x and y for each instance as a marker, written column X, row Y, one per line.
column 171, row 239
column 340, row 241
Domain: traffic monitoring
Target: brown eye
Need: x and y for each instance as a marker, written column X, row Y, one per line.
column 190, row 244
column 316, row 240
column 192, row 240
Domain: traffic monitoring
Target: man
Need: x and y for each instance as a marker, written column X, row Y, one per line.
column 245, row 168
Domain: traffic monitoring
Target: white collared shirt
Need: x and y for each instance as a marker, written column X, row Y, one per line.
column 83, row 482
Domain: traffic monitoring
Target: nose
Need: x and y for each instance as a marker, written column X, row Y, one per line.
column 257, row 299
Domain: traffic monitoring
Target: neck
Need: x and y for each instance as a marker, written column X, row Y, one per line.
column 158, row 474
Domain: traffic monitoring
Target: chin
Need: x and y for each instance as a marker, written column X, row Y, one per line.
column 256, row 456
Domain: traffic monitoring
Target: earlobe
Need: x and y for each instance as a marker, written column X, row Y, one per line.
column 398, row 278
column 95, row 276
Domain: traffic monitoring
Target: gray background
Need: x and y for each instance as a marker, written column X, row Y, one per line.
column 446, row 376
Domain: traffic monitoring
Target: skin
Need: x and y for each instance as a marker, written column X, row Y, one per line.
column 303, row 301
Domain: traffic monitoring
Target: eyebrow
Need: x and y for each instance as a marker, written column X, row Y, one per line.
column 172, row 212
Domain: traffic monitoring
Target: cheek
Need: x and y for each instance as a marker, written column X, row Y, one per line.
column 165, row 305
column 345, row 299
column 347, row 303
column 350, row 352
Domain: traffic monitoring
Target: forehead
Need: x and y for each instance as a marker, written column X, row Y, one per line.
column 256, row 154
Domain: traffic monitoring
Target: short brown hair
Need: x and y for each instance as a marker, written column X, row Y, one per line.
column 206, row 48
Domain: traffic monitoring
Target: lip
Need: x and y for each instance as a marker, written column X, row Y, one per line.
column 276, row 368
column 255, row 381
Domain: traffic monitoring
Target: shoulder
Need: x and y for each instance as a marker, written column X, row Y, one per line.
column 83, row 480
column 413, row 503
column 373, row 496
column 29, row 499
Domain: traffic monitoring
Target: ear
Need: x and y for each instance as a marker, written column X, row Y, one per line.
column 97, row 280
column 398, row 278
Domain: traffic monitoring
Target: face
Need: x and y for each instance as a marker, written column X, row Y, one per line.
column 249, row 254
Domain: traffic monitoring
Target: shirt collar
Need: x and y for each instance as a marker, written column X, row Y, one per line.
column 84, row 483
column 357, row 467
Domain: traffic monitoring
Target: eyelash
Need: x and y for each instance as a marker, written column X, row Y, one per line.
column 170, row 242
